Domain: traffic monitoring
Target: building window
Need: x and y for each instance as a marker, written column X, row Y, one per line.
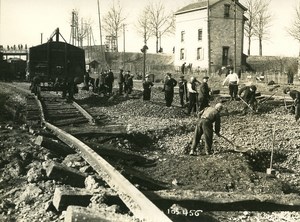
column 182, row 36
column 181, row 54
column 226, row 10
column 200, row 53
column 199, row 34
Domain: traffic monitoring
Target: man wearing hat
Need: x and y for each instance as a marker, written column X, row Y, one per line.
column 121, row 81
column 233, row 80
column 182, row 84
column 204, row 94
column 147, row 85
column 295, row 95
column 248, row 98
column 204, row 127
column 169, row 85
column 193, row 94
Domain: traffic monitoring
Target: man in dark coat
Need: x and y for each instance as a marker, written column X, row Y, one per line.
column 183, row 68
column 109, row 81
column 126, row 83
column 204, row 94
column 295, row 95
column 130, row 83
column 248, row 98
column 121, row 81
column 169, row 85
column 182, row 84
column 204, row 126
column 147, row 85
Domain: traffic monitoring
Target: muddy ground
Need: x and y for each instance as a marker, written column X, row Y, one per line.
column 160, row 136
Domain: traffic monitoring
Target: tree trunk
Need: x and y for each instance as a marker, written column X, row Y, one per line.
column 249, row 45
column 260, row 46
column 156, row 42
column 298, row 71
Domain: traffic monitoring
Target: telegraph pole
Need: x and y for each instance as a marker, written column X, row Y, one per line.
column 208, row 39
column 99, row 24
column 234, row 65
column 124, row 45
column 0, row 22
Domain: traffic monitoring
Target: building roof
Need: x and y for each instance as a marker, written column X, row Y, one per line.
column 192, row 7
column 203, row 5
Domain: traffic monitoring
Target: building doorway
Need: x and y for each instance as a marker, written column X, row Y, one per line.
column 225, row 55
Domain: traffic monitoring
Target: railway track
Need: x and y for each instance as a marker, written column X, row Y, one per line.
column 56, row 114
column 138, row 202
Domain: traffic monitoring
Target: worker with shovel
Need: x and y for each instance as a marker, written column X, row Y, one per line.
column 295, row 95
column 204, row 126
column 248, row 98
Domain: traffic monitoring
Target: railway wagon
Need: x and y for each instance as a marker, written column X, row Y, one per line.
column 56, row 66
column 17, row 69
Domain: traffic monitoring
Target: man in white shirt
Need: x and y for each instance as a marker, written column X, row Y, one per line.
column 233, row 81
column 192, row 90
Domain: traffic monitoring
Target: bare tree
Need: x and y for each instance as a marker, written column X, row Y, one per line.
column 143, row 27
column 251, row 13
column 113, row 21
column 160, row 22
column 262, row 22
column 294, row 29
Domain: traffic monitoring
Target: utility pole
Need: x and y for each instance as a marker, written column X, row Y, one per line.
column 208, row 39
column 0, row 22
column 41, row 38
column 123, row 45
column 99, row 23
column 234, row 65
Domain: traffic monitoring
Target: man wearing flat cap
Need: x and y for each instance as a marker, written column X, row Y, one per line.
column 182, row 85
column 204, row 94
column 169, row 85
column 121, row 81
column 147, row 85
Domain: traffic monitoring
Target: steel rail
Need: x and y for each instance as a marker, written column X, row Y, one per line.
column 135, row 200
column 88, row 116
column 92, row 121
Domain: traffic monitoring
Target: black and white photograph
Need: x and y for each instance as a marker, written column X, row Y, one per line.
column 150, row 110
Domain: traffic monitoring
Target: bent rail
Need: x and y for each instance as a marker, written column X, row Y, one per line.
column 135, row 200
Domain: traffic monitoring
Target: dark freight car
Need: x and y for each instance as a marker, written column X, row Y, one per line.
column 56, row 66
column 17, row 68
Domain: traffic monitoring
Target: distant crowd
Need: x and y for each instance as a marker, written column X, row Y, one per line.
column 194, row 95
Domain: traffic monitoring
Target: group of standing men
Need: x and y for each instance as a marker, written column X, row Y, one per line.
column 102, row 84
column 125, row 82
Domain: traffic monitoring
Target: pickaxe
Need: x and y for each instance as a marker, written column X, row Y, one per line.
column 285, row 106
column 246, row 103
column 236, row 148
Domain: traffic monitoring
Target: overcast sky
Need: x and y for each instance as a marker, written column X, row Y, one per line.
column 23, row 21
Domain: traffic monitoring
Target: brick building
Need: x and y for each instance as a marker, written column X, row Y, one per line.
column 206, row 37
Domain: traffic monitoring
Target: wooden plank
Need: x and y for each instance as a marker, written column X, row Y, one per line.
column 227, row 200
column 66, row 196
column 54, row 145
column 76, row 214
column 66, row 175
